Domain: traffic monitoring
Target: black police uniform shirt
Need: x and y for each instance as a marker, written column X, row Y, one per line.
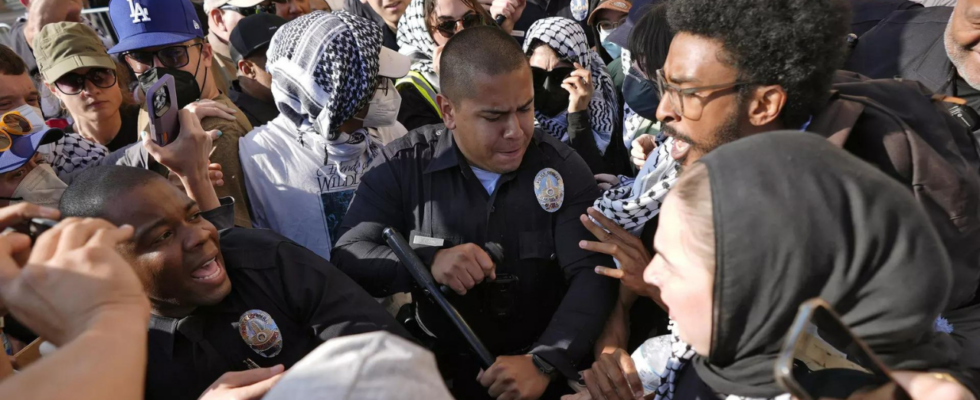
column 309, row 300
column 424, row 188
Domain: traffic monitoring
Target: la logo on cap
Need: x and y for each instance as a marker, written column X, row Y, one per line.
column 137, row 12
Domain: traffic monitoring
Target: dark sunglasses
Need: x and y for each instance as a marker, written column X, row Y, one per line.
column 448, row 27
column 170, row 57
column 250, row 11
column 72, row 83
column 556, row 74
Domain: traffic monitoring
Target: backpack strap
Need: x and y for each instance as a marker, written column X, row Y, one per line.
column 837, row 120
column 415, row 79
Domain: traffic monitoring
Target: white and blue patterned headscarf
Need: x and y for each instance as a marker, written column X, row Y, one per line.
column 567, row 38
column 415, row 41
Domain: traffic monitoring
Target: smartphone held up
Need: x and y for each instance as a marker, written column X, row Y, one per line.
column 161, row 103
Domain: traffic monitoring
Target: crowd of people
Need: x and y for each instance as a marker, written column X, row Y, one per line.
column 584, row 180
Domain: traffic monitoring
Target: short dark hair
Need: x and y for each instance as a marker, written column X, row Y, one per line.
column 92, row 191
column 486, row 50
column 649, row 41
column 10, row 62
column 797, row 44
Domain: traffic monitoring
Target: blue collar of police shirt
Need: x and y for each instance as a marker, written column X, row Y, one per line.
column 446, row 154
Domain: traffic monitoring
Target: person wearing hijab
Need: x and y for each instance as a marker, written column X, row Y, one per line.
column 330, row 83
column 823, row 224
column 574, row 97
column 426, row 26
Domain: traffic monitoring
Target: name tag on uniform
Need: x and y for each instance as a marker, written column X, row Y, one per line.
column 428, row 241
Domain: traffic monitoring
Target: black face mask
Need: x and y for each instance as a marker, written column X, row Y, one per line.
column 641, row 94
column 550, row 98
column 185, row 84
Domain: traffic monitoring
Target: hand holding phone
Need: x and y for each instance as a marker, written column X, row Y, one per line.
column 161, row 105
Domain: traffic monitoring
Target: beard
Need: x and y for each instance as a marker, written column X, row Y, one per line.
column 727, row 132
column 960, row 57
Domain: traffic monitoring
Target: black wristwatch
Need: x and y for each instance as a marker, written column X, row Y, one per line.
column 543, row 366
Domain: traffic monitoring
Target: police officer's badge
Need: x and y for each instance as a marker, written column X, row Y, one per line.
column 260, row 332
column 549, row 189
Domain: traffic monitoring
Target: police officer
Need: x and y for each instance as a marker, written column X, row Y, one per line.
column 487, row 176
column 221, row 302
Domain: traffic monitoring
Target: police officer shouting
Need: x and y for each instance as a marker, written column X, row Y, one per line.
column 487, row 179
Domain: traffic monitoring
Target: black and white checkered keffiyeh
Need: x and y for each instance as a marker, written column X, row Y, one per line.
column 634, row 202
column 72, row 153
column 567, row 38
column 324, row 69
column 415, row 41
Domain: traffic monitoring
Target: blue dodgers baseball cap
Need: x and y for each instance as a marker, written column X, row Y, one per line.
column 140, row 24
column 24, row 147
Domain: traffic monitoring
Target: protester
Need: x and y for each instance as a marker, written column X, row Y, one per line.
column 252, row 92
column 487, row 176
column 223, row 17
column 164, row 37
column 292, row 9
column 650, row 42
column 75, row 290
column 604, row 20
column 704, row 254
column 370, row 366
column 906, row 45
column 330, row 82
column 574, row 98
column 426, row 27
column 77, row 69
column 285, row 299
column 385, row 13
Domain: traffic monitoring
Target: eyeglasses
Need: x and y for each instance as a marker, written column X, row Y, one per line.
column 610, row 25
column 170, row 57
column 448, row 27
column 73, row 84
column 12, row 124
column 695, row 96
column 250, row 11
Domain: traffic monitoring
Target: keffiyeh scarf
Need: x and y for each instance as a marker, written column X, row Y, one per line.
column 567, row 38
column 632, row 203
column 72, row 153
column 415, row 41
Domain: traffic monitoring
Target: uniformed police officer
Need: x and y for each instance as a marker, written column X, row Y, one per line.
column 221, row 302
column 487, row 176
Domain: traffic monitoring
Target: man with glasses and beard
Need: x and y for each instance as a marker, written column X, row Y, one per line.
column 165, row 37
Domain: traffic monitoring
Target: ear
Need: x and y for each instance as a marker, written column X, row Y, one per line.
column 206, row 54
column 766, row 104
column 448, row 111
column 216, row 18
column 53, row 89
column 246, row 69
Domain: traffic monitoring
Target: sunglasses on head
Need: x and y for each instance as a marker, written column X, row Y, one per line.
column 250, row 11
column 448, row 27
column 170, row 57
column 12, row 124
column 74, row 83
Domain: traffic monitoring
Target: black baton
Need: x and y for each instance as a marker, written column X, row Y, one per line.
column 423, row 277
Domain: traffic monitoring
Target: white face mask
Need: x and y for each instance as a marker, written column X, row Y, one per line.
column 383, row 109
column 32, row 114
column 41, row 186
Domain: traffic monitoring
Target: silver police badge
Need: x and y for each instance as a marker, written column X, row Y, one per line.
column 549, row 189
column 260, row 332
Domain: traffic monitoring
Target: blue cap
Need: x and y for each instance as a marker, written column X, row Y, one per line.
column 141, row 24
column 23, row 148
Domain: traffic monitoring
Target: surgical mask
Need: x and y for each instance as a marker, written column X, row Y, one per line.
column 383, row 108
column 641, row 95
column 550, row 98
column 185, row 84
column 41, row 186
column 32, row 114
column 613, row 49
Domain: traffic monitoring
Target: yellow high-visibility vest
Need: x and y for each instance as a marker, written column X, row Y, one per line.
column 415, row 78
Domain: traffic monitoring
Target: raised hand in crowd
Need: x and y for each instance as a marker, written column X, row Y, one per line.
column 244, row 385
column 510, row 9
column 627, row 249
column 78, row 293
column 580, row 89
column 642, row 147
column 462, row 267
column 187, row 156
column 43, row 12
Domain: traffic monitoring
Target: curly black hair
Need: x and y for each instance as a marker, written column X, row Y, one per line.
column 797, row 44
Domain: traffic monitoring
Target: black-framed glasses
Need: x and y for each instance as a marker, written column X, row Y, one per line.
column 678, row 97
column 73, row 83
column 448, row 27
column 610, row 25
column 268, row 8
column 171, row 57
